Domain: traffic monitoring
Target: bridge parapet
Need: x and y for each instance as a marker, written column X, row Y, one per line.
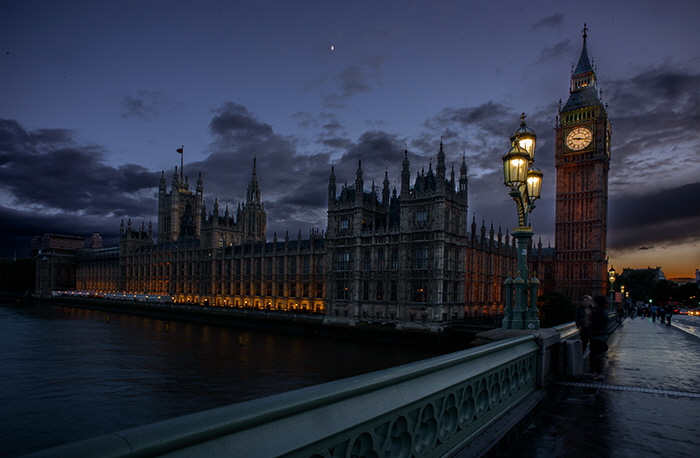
column 429, row 408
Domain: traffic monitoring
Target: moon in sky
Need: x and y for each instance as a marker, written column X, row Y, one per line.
column 332, row 47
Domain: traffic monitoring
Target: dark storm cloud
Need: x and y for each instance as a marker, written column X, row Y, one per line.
column 669, row 216
column 293, row 184
column 549, row 22
column 558, row 51
column 331, row 129
column 379, row 152
column 336, row 142
column 482, row 133
column 353, row 80
column 235, row 120
column 655, row 198
column 490, row 117
column 333, row 124
column 327, row 122
column 14, row 139
column 377, row 148
column 655, row 128
column 143, row 106
column 58, row 183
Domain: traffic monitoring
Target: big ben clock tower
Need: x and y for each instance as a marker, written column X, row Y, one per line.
column 582, row 159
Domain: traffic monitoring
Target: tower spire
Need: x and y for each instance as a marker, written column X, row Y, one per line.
column 441, row 164
column 253, row 186
column 584, row 66
column 584, row 87
column 252, row 216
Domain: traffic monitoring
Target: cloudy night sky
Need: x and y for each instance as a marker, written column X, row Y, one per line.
column 95, row 98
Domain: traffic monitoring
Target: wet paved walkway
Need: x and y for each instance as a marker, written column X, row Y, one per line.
column 648, row 405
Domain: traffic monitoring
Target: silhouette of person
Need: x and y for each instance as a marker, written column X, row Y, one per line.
column 583, row 321
column 599, row 335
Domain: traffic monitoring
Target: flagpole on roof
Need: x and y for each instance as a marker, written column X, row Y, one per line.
column 182, row 161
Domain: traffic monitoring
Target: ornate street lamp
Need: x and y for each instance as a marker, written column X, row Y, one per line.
column 611, row 279
column 525, row 183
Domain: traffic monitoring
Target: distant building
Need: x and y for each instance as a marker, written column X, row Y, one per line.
column 656, row 274
column 403, row 256
column 55, row 261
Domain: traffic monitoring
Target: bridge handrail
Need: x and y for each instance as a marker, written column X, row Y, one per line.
column 567, row 331
column 426, row 408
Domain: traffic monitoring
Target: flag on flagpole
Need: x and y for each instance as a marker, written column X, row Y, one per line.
column 179, row 150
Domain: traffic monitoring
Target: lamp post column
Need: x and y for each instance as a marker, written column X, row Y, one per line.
column 520, row 314
column 508, row 313
column 611, row 278
column 532, row 321
column 525, row 183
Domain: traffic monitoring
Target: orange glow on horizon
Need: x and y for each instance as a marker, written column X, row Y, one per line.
column 678, row 261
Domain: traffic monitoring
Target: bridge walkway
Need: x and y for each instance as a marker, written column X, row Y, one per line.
column 647, row 405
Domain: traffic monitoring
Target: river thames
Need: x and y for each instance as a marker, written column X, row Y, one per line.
column 69, row 374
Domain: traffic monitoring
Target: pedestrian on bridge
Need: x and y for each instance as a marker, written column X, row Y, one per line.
column 583, row 321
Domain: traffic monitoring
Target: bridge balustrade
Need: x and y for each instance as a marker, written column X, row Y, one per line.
column 429, row 408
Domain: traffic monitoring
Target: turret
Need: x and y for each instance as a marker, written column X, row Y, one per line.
column 386, row 192
column 359, row 183
column 252, row 218
column 464, row 181
column 405, row 175
column 331, row 188
column 253, row 193
column 440, row 169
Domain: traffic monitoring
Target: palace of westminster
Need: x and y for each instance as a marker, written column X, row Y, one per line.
column 406, row 256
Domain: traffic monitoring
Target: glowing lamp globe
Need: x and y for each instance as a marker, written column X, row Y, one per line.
column 515, row 165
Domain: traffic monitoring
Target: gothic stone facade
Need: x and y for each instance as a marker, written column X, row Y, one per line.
column 221, row 260
column 402, row 257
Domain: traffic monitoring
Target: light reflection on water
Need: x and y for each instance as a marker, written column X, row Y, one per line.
column 68, row 374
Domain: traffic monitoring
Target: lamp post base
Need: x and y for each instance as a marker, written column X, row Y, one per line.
column 524, row 315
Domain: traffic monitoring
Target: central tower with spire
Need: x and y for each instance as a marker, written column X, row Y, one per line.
column 398, row 257
column 582, row 160
column 251, row 216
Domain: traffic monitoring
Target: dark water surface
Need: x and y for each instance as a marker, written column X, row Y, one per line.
column 68, row 374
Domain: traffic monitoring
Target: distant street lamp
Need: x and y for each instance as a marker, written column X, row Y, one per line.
column 525, row 183
column 611, row 279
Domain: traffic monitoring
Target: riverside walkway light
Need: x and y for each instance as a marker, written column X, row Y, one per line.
column 611, row 278
column 525, row 183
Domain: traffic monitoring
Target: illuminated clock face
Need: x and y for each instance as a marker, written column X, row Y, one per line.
column 579, row 138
